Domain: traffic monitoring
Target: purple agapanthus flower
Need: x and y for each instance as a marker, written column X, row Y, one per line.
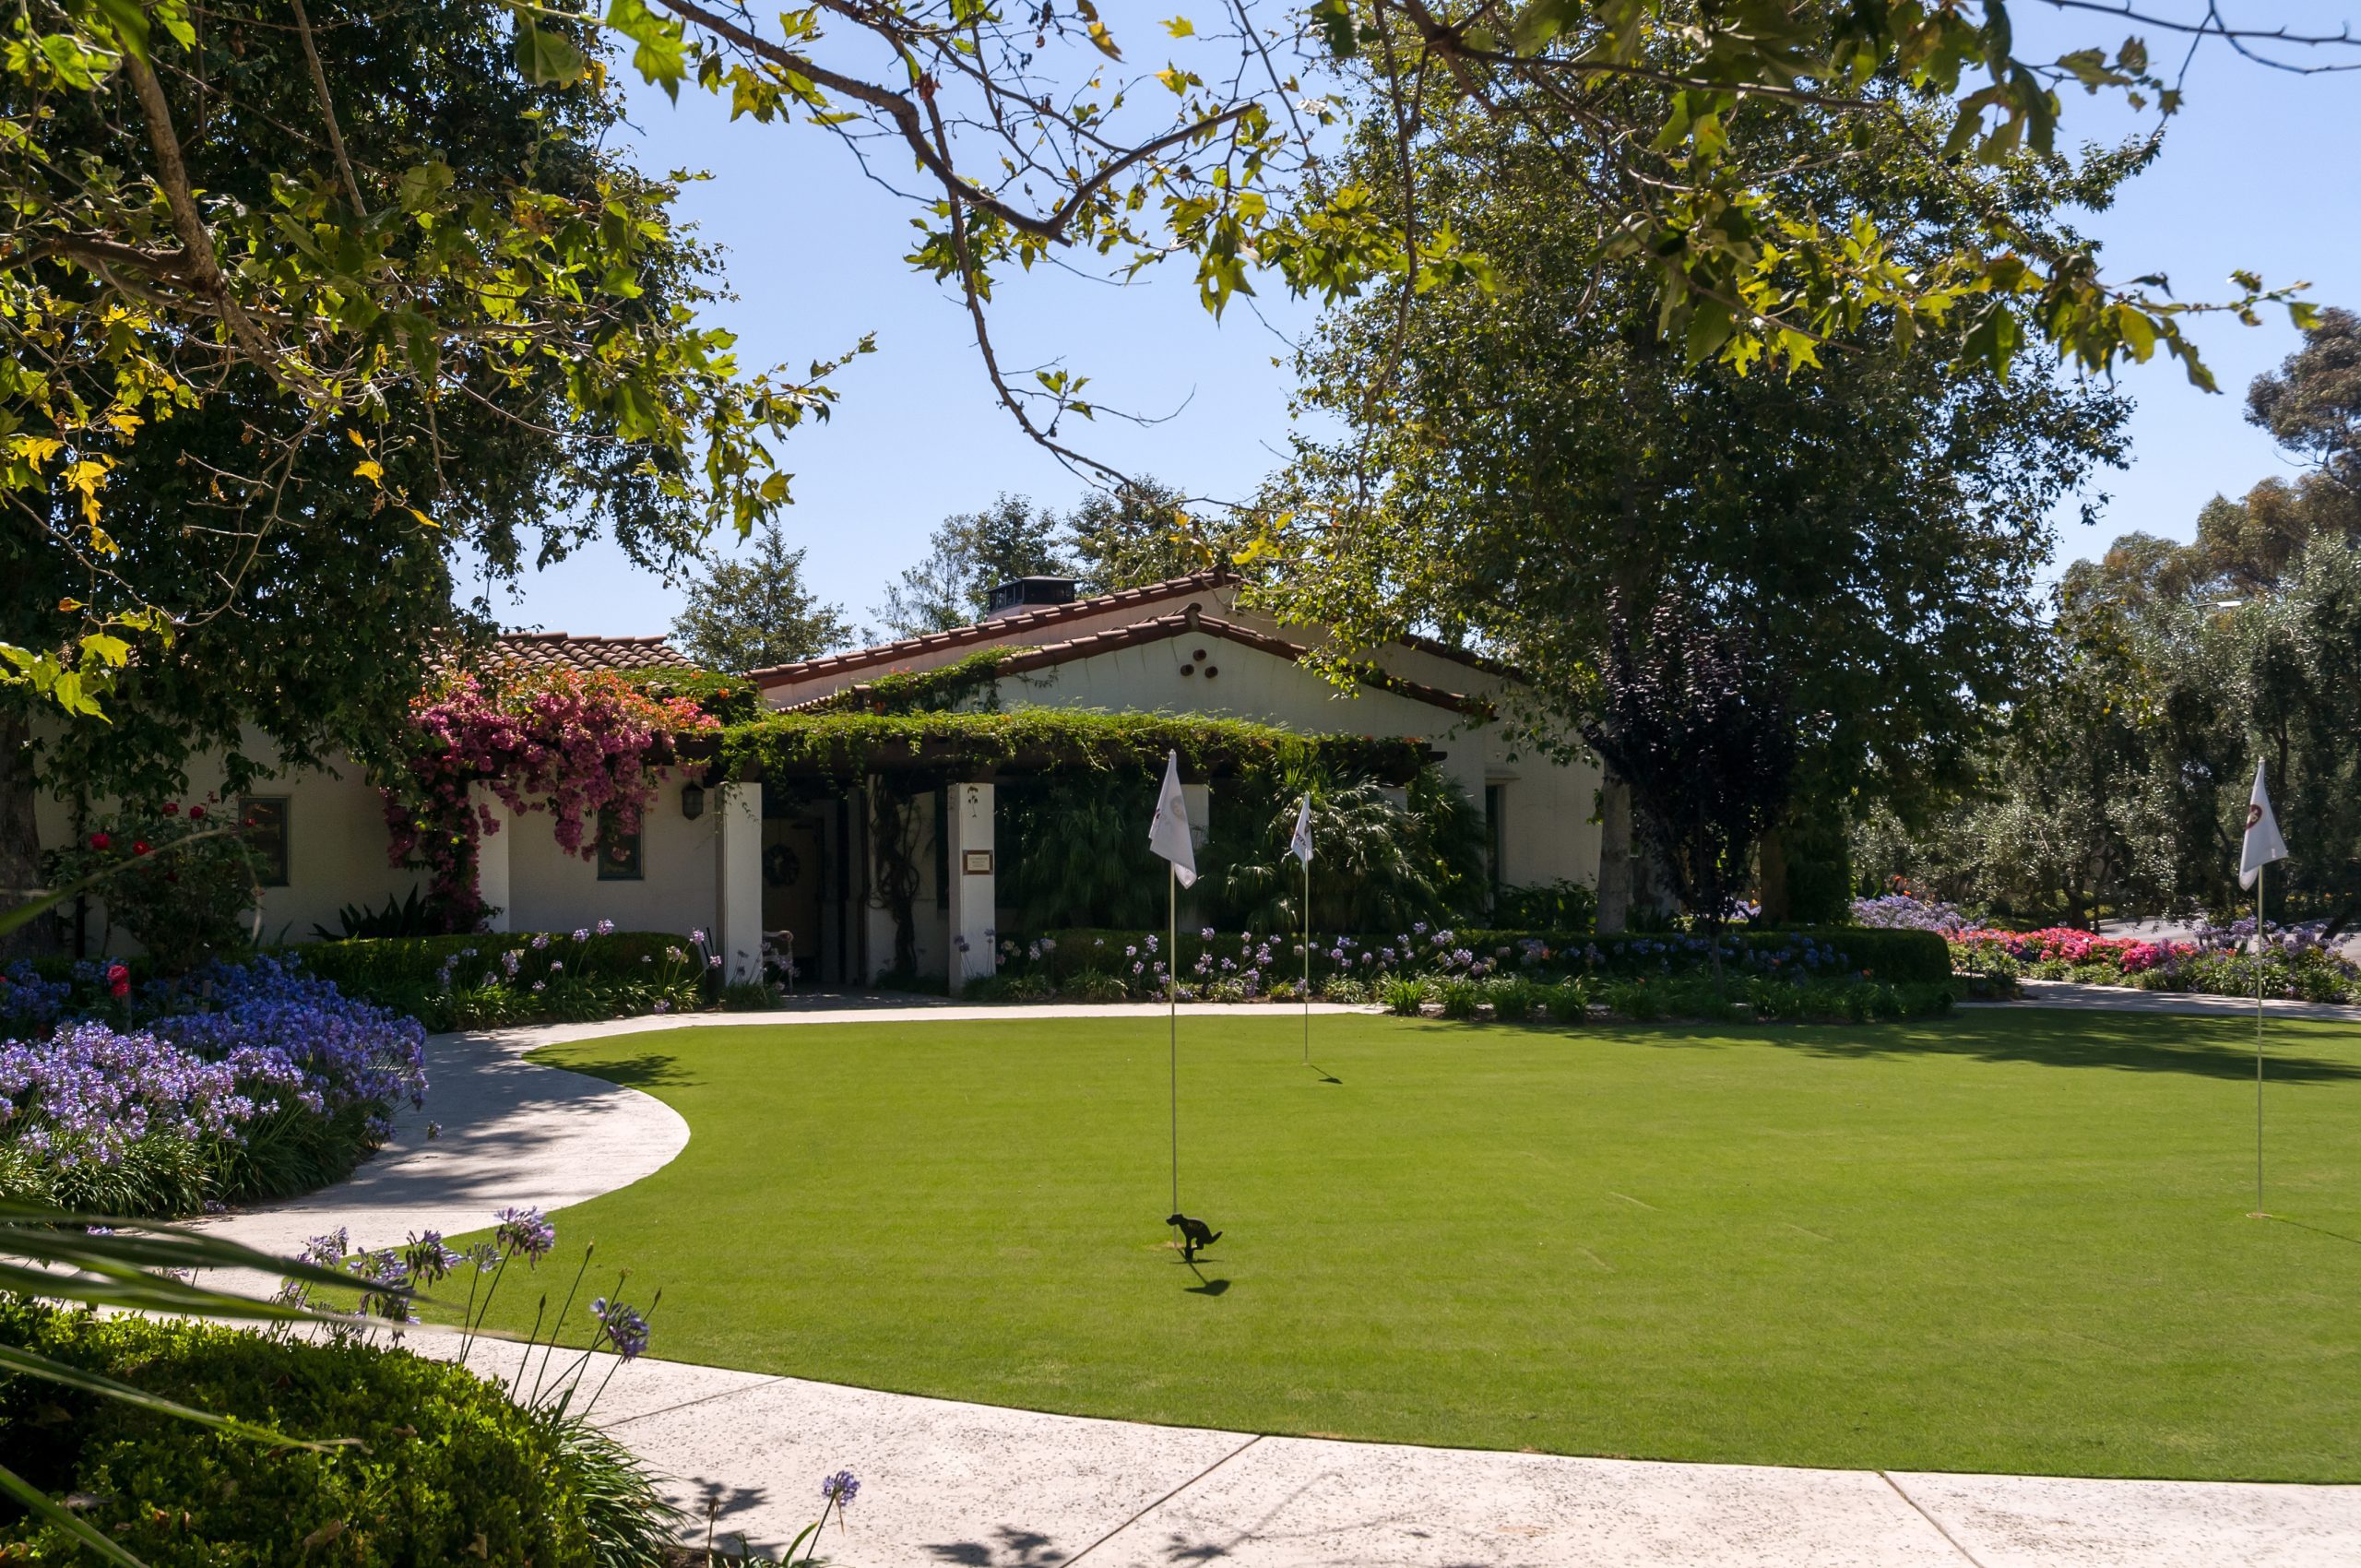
column 625, row 1327
column 525, row 1230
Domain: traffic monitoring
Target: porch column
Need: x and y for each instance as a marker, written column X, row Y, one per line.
column 738, row 936
column 491, row 858
column 974, row 884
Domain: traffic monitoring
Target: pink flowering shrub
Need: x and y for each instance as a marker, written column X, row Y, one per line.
column 2295, row 962
column 1977, row 950
column 572, row 746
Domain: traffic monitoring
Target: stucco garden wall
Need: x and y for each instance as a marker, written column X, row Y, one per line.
column 680, row 862
column 335, row 830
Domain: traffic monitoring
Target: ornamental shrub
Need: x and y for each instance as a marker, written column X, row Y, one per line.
column 1512, row 997
column 451, row 1470
column 491, row 980
column 1568, row 1001
column 2297, row 961
column 1094, row 985
column 178, row 884
column 570, row 744
column 1459, row 998
column 1207, row 956
column 233, row 1083
column 1404, row 996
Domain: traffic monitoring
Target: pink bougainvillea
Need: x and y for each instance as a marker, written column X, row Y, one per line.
column 570, row 744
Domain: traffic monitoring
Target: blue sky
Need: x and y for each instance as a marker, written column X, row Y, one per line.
column 2256, row 174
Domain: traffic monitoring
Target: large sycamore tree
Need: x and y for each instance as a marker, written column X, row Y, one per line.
column 1527, row 454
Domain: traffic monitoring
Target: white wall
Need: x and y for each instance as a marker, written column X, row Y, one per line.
column 336, row 827
column 680, row 861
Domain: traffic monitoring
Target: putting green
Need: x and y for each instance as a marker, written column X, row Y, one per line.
column 2008, row 1240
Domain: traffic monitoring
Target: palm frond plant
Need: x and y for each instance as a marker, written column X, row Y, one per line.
column 1379, row 865
column 1077, row 852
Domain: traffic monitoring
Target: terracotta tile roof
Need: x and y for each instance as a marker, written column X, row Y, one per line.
column 536, row 651
column 990, row 630
column 1474, row 661
column 1161, row 628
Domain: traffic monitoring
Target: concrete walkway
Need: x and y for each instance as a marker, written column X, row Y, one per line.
column 951, row 1483
column 2074, row 997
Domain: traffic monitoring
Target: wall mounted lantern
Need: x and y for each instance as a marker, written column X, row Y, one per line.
column 693, row 801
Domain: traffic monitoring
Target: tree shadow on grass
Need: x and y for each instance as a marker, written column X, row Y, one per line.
column 2125, row 1043
column 648, row 1069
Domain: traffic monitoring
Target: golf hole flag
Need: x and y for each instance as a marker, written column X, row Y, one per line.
column 2263, row 844
column 1301, row 844
column 1168, row 834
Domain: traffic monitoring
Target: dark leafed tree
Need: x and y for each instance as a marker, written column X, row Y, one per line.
column 1881, row 521
column 369, row 276
column 967, row 554
column 382, row 315
column 1692, row 715
column 2311, row 404
column 1141, row 532
column 755, row 612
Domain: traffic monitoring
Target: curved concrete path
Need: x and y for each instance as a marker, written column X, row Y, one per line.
column 2077, row 997
column 984, row 1487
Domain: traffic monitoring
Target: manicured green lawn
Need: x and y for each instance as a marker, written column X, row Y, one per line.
column 2004, row 1241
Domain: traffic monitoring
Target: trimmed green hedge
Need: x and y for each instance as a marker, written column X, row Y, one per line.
column 452, row 1471
column 615, row 975
column 1896, row 957
column 1893, row 958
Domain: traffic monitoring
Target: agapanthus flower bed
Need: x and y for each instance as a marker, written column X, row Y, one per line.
column 2295, row 961
column 1105, row 966
column 1902, row 910
column 166, row 1098
column 488, row 979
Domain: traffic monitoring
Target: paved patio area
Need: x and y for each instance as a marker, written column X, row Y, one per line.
column 944, row 1483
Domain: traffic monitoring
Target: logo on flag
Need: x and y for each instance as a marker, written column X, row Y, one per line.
column 1301, row 844
column 2263, row 844
column 1168, row 834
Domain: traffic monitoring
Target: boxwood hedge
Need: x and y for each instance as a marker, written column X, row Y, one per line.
column 449, row 1470
column 1893, row 958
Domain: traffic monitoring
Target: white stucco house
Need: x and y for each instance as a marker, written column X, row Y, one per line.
column 743, row 863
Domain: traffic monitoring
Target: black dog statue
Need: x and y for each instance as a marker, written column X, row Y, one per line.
column 1194, row 1233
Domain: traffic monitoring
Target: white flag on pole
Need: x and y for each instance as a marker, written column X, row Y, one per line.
column 1168, row 834
column 1301, row 844
column 2263, row 844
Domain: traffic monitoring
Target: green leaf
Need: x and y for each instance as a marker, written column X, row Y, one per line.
column 128, row 21
column 39, row 1501
column 662, row 54
column 547, row 57
column 28, row 1364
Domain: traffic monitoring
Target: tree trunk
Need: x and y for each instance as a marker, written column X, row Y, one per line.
column 21, row 876
column 1614, row 853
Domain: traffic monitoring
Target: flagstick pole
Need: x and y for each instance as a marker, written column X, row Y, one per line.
column 1172, row 1011
column 2260, row 873
column 1307, row 963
